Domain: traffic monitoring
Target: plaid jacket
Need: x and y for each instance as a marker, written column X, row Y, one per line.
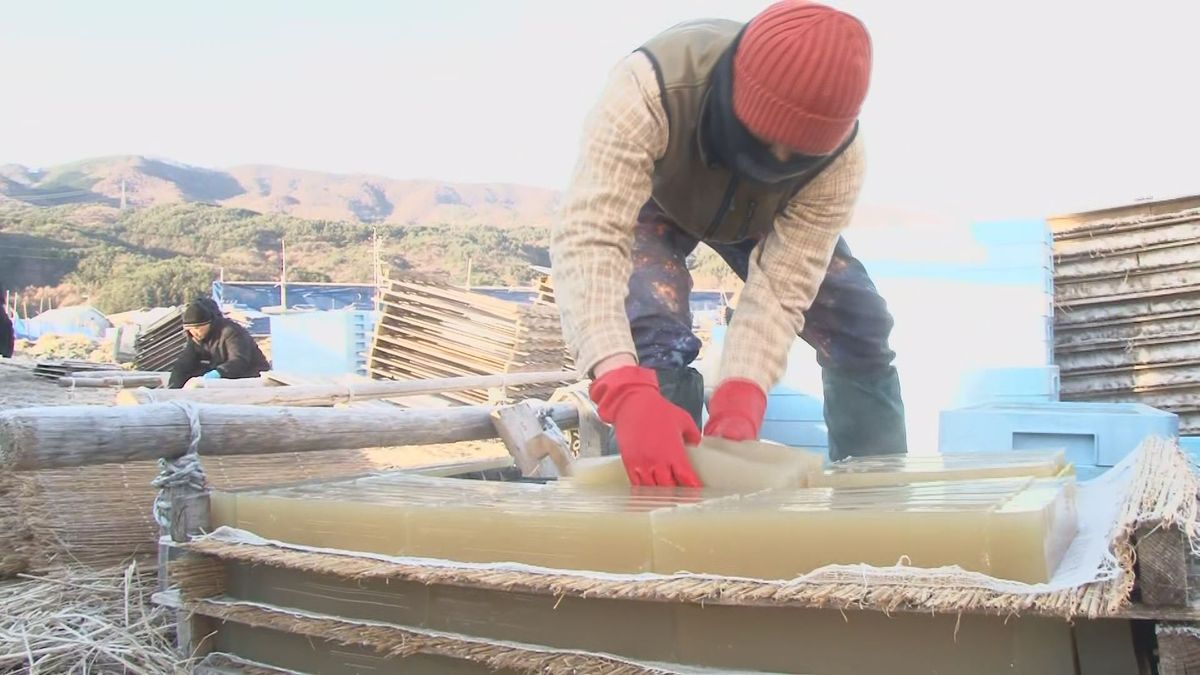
column 625, row 134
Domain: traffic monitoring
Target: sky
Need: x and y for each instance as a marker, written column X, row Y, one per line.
column 1015, row 108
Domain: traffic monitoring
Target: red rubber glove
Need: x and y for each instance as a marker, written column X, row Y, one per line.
column 735, row 410
column 651, row 431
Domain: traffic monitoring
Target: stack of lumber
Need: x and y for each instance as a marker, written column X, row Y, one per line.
column 54, row 369
column 1127, row 295
column 430, row 329
column 160, row 343
column 545, row 289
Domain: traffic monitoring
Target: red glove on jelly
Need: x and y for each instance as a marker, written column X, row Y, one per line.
column 736, row 410
column 651, row 431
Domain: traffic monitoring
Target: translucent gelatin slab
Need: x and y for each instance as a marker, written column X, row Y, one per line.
column 1008, row 528
column 901, row 469
column 462, row 520
column 725, row 465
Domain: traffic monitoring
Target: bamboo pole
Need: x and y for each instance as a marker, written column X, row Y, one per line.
column 65, row 436
column 331, row 394
column 123, row 381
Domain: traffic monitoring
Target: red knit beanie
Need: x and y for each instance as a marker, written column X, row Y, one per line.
column 800, row 75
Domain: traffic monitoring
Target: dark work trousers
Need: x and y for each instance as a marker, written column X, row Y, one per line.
column 848, row 325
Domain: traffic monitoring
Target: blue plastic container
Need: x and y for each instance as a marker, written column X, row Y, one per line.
column 1010, row 385
column 795, row 418
column 1191, row 445
column 1092, row 434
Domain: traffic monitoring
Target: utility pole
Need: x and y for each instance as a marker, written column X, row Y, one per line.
column 376, row 265
column 283, row 275
column 469, row 260
column 122, row 194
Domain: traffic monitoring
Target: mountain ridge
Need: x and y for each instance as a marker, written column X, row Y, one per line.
column 144, row 181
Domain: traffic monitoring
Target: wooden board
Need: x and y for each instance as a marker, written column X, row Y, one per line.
column 430, row 329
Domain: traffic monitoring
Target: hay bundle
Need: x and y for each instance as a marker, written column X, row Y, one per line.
column 101, row 515
column 85, row 621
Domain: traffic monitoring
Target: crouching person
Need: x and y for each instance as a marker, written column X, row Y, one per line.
column 216, row 348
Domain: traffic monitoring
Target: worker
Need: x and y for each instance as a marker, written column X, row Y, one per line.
column 744, row 137
column 7, row 334
column 216, row 348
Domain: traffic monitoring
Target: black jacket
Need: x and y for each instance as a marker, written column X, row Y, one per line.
column 6, row 335
column 228, row 348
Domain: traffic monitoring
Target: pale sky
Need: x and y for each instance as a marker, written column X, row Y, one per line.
column 1021, row 107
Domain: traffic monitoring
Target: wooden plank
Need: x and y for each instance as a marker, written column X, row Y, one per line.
column 517, row 426
column 1164, row 354
column 1172, row 401
column 472, row 339
column 1161, row 258
column 1127, row 322
column 227, row 664
column 1105, row 647
column 331, row 394
column 1122, row 218
column 419, row 298
column 447, row 292
column 1178, row 649
column 456, row 362
column 1185, row 278
column 1129, row 368
column 1130, row 310
column 390, row 325
column 432, row 318
column 1129, row 296
column 435, row 355
column 1136, row 379
column 1149, row 239
column 189, row 517
column 1113, row 344
column 1162, row 566
column 1124, row 335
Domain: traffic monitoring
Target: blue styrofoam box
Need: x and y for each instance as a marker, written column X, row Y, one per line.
column 1038, row 276
column 1092, row 434
column 1024, row 231
column 1191, row 446
column 321, row 343
column 1039, row 254
column 794, row 418
column 1013, row 385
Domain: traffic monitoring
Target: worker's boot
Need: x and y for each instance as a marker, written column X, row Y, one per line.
column 682, row 386
column 864, row 412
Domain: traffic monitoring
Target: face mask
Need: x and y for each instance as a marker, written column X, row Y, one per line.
column 725, row 139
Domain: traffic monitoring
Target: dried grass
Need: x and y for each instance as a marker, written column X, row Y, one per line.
column 82, row 620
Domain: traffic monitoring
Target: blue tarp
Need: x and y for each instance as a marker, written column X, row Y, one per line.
column 255, row 295
column 82, row 320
